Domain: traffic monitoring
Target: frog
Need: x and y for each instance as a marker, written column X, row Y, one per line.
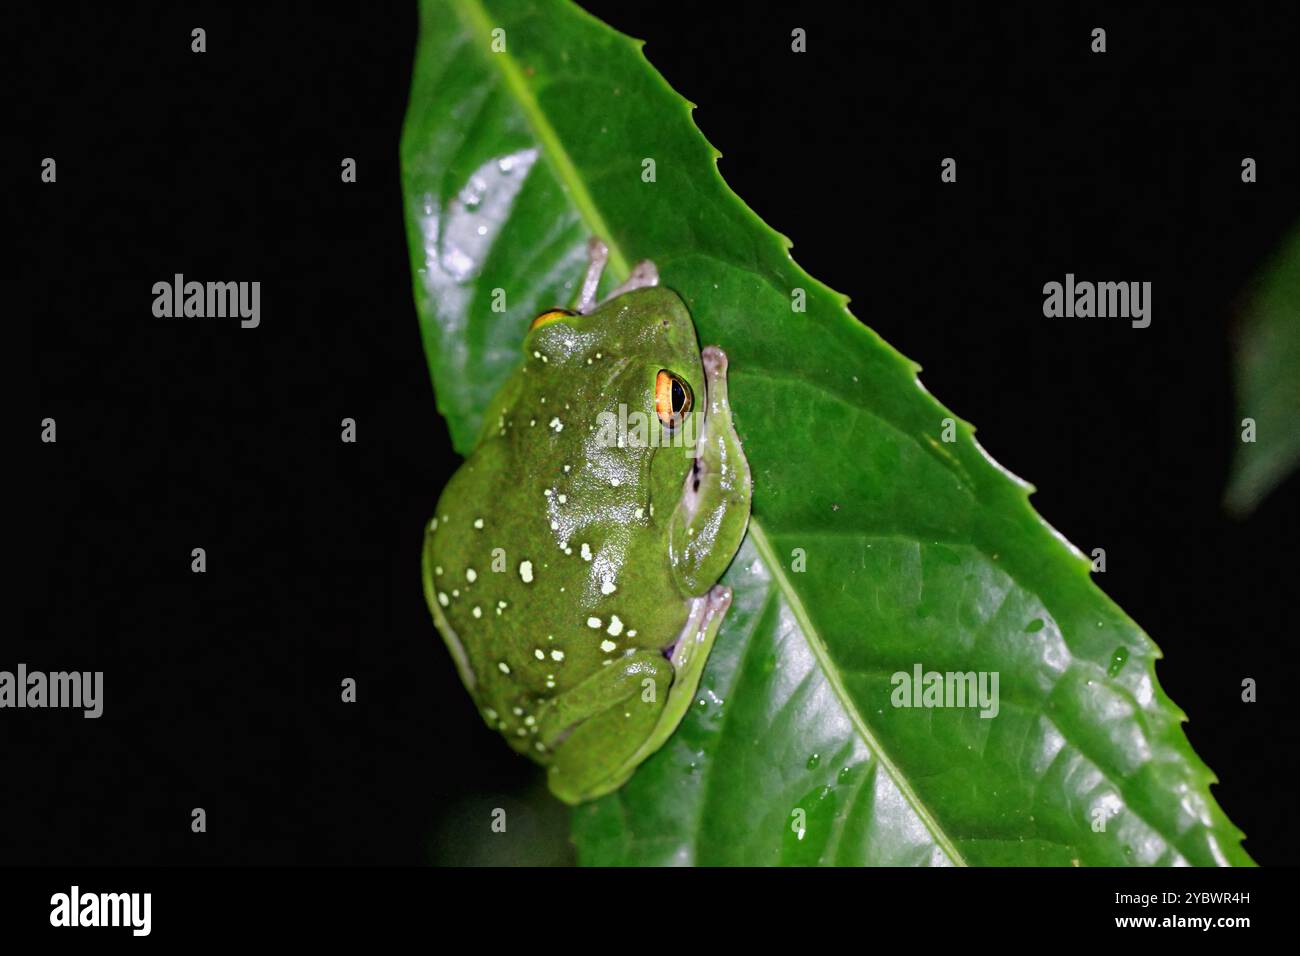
column 573, row 560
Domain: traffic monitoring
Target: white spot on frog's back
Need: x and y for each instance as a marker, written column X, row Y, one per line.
column 615, row 626
column 594, row 623
column 526, row 572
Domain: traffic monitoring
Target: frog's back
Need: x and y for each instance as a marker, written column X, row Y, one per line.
column 532, row 537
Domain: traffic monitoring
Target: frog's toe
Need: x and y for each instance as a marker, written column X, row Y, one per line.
column 719, row 598
column 715, row 361
column 644, row 275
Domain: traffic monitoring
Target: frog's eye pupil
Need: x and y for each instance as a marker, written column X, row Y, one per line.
column 672, row 398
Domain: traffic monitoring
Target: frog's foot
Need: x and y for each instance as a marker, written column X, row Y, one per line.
column 597, row 256
column 715, row 367
column 704, row 611
column 644, row 275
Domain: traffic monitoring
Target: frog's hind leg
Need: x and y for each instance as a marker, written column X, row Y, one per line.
column 644, row 274
column 688, row 655
column 628, row 709
column 589, row 736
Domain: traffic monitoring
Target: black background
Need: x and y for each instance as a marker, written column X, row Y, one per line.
column 222, row 689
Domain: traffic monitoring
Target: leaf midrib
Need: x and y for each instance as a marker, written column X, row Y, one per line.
column 832, row 675
column 475, row 17
column 553, row 150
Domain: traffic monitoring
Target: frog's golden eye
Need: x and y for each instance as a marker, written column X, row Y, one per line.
column 550, row 315
column 673, row 398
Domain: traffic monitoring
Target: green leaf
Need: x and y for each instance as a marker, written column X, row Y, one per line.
column 918, row 550
column 1268, row 381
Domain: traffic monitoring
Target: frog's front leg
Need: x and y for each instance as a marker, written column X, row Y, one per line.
column 643, row 275
column 594, row 732
column 709, row 522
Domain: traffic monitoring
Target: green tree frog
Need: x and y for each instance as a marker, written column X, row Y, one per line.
column 572, row 562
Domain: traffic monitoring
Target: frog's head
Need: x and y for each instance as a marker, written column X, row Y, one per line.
column 634, row 359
